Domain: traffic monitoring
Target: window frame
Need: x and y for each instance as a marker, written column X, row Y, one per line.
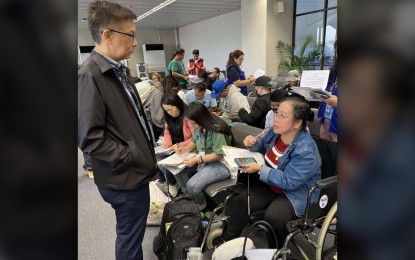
column 325, row 11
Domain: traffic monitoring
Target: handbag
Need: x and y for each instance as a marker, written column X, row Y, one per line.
column 262, row 224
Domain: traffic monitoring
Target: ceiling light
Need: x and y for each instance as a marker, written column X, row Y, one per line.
column 164, row 4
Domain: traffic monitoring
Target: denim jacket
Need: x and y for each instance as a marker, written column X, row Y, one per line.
column 298, row 168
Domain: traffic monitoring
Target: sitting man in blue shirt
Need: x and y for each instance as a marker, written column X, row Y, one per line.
column 201, row 95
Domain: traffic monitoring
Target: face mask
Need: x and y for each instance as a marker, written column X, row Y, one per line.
column 258, row 90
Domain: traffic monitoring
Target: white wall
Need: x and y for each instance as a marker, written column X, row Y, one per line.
column 144, row 36
column 215, row 38
column 254, row 14
column 262, row 27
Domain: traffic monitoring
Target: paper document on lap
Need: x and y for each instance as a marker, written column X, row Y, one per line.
column 159, row 150
column 233, row 152
column 174, row 163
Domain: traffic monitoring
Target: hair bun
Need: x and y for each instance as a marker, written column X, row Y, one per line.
column 310, row 115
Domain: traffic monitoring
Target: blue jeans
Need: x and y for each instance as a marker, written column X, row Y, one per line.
column 162, row 172
column 87, row 162
column 210, row 173
column 131, row 210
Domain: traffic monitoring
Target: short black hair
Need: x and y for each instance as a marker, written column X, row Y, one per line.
column 278, row 94
column 200, row 86
column 195, row 51
column 179, row 51
column 103, row 14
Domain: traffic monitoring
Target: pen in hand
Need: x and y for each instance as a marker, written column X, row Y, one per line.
column 260, row 134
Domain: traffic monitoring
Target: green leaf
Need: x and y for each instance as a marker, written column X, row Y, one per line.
column 301, row 61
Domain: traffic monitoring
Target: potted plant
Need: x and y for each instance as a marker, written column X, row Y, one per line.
column 304, row 59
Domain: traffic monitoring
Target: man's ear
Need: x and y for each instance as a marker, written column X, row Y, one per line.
column 106, row 36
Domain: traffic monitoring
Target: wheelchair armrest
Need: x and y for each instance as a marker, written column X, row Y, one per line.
column 327, row 182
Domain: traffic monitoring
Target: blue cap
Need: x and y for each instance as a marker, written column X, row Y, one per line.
column 217, row 88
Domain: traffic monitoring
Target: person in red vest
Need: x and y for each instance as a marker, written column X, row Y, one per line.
column 196, row 67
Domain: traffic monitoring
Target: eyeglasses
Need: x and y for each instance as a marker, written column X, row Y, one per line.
column 130, row 36
column 280, row 115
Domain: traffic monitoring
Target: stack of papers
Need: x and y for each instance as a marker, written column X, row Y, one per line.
column 174, row 163
column 232, row 152
column 159, row 150
column 313, row 84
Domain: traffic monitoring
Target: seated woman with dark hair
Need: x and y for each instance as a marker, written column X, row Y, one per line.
column 177, row 133
column 210, row 133
column 292, row 167
column 170, row 85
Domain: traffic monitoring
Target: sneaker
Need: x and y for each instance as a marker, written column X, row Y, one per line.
column 89, row 173
column 173, row 190
column 162, row 185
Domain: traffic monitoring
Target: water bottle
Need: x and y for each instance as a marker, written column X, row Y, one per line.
column 204, row 224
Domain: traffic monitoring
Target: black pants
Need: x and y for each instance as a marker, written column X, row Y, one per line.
column 131, row 210
column 279, row 211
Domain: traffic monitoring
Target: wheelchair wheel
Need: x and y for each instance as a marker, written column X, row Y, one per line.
column 213, row 237
column 322, row 237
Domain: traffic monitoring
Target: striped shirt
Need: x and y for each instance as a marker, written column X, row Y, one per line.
column 271, row 159
column 121, row 73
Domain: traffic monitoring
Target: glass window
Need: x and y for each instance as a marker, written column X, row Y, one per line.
column 309, row 25
column 332, row 3
column 304, row 6
column 312, row 24
column 331, row 32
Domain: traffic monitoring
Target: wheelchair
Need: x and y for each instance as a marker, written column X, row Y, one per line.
column 303, row 237
column 320, row 215
column 303, row 231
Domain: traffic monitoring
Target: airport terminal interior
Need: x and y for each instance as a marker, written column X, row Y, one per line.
column 264, row 72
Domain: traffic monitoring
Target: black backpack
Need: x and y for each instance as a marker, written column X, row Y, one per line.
column 185, row 230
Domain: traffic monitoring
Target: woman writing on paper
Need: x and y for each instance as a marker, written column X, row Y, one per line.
column 209, row 135
column 292, row 167
column 177, row 133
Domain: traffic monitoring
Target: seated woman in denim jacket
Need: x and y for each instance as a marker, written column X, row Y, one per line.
column 210, row 133
column 292, row 168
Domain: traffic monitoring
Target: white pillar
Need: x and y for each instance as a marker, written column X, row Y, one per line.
column 262, row 26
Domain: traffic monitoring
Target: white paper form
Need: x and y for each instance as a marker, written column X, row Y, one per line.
column 312, row 80
column 232, row 152
column 160, row 150
column 174, row 163
column 258, row 73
